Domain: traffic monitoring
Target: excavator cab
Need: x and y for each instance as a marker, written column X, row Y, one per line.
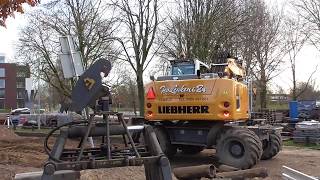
column 184, row 69
column 194, row 68
column 187, row 67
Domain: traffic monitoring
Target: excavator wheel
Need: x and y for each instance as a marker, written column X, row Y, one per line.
column 272, row 146
column 239, row 147
column 168, row 149
column 191, row 149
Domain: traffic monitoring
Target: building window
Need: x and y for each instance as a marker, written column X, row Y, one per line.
column 2, row 106
column 2, row 83
column 20, row 94
column 21, row 74
column 20, row 84
column 20, row 104
column 2, row 72
column 2, row 93
column 2, row 59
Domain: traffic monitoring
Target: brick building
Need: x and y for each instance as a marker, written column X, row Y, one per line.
column 12, row 84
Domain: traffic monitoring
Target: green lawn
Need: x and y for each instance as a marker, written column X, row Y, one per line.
column 42, row 130
column 310, row 146
column 35, row 132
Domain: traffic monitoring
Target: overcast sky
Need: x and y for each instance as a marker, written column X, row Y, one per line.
column 307, row 60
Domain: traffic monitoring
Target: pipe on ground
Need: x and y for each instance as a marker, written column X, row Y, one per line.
column 243, row 174
column 195, row 172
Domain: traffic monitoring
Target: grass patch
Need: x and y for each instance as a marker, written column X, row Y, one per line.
column 302, row 145
column 42, row 130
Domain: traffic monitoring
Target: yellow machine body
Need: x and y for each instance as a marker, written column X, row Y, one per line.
column 210, row 99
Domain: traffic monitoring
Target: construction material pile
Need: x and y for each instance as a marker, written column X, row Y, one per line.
column 307, row 132
column 8, row 134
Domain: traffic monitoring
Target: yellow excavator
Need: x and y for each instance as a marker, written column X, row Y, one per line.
column 197, row 106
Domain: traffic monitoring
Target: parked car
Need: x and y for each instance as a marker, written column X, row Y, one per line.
column 15, row 115
column 19, row 111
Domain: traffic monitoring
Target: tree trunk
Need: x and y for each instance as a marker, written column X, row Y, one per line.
column 263, row 95
column 294, row 89
column 133, row 96
column 263, row 89
column 140, row 91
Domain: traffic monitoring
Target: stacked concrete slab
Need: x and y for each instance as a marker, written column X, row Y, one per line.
column 307, row 132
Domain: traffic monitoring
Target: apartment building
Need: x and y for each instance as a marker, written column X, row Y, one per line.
column 12, row 84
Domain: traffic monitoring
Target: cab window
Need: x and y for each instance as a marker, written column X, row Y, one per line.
column 183, row 69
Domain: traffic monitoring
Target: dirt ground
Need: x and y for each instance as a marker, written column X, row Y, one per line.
column 22, row 154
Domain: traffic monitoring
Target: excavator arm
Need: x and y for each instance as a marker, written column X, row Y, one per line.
column 230, row 69
column 233, row 69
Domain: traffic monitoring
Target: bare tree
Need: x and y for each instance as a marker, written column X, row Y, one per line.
column 296, row 36
column 248, row 29
column 267, row 48
column 308, row 90
column 246, row 35
column 201, row 26
column 140, row 20
column 125, row 92
column 39, row 45
column 309, row 11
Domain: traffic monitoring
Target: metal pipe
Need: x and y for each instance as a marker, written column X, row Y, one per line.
column 79, row 131
column 152, row 141
column 226, row 168
column 105, row 118
column 58, row 146
column 195, row 172
column 97, row 164
column 86, row 112
column 85, row 137
column 243, row 174
column 128, row 134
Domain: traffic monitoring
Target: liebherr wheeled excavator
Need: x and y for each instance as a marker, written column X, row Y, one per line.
column 199, row 106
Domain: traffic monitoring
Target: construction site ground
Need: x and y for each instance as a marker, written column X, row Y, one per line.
column 25, row 154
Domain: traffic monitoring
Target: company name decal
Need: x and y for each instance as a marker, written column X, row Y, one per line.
column 182, row 89
column 183, row 109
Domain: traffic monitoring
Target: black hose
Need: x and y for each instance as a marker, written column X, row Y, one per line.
column 46, row 147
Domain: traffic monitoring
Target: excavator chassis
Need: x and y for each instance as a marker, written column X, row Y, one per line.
column 242, row 141
column 205, row 133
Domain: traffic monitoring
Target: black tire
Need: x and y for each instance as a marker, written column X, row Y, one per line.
column 168, row 149
column 271, row 147
column 239, row 147
column 191, row 149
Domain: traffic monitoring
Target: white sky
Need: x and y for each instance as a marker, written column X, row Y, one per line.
column 9, row 35
column 308, row 58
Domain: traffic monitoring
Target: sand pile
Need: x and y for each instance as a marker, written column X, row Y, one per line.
column 8, row 134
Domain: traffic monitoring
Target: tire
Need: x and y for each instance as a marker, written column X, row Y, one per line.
column 168, row 149
column 272, row 147
column 239, row 147
column 191, row 149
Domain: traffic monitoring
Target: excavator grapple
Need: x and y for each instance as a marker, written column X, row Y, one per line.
column 91, row 91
